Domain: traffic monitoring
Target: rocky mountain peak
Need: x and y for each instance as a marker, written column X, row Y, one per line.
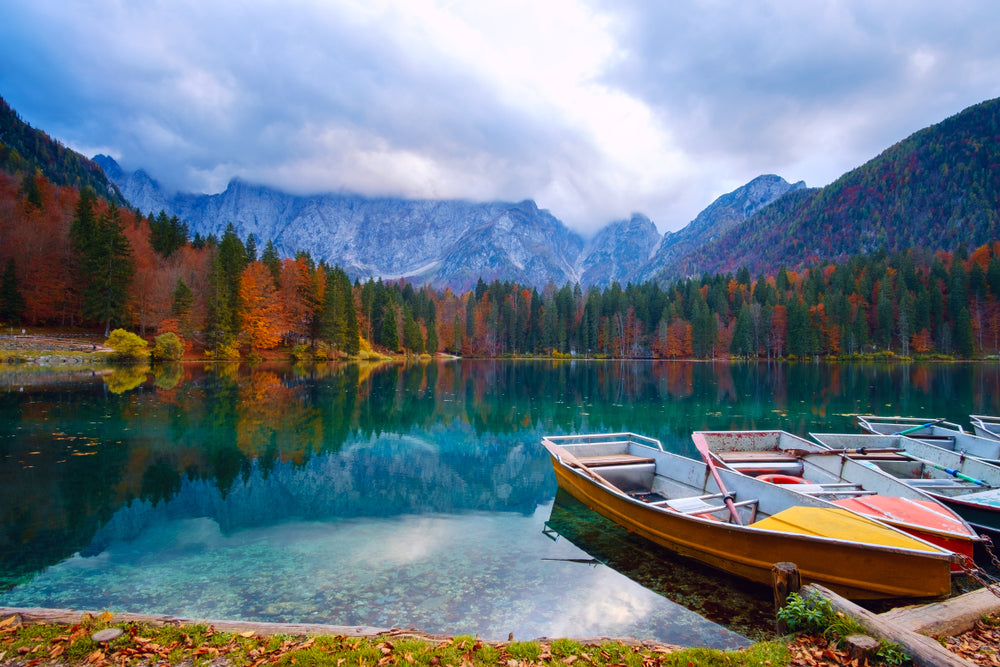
column 447, row 243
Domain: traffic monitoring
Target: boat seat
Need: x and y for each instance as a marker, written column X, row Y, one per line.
column 755, row 468
column 692, row 505
column 613, row 460
column 770, row 456
column 696, row 506
column 841, row 492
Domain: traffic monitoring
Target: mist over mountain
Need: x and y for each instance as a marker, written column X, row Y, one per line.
column 447, row 243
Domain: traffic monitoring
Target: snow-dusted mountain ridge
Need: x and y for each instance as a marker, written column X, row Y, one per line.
column 448, row 243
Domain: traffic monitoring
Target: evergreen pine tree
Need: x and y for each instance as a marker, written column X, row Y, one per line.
column 964, row 338
column 12, row 302
column 390, row 336
column 224, row 300
column 251, row 248
column 430, row 321
column 413, row 341
column 456, row 347
column 741, row 343
column 106, row 261
column 30, row 191
column 182, row 299
column 271, row 259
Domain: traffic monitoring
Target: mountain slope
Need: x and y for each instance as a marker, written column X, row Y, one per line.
column 936, row 189
column 620, row 252
column 25, row 150
column 721, row 217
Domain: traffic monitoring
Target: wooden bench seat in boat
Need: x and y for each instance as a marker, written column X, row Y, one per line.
column 762, row 463
column 824, row 490
column 757, row 456
column 696, row 505
column 613, row 460
column 628, row 472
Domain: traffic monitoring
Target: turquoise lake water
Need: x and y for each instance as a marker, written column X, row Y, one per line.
column 395, row 496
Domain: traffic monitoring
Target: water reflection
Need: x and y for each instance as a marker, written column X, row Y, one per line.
column 93, row 467
column 487, row 573
column 729, row 601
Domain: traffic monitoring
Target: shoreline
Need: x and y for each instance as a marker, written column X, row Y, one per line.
column 51, row 616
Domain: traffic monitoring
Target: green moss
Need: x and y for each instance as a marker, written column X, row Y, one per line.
column 524, row 650
column 201, row 645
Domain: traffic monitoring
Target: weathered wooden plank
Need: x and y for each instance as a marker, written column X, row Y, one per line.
column 924, row 651
column 613, row 460
column 768, row 456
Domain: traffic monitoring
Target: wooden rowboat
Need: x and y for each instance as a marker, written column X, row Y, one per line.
column 806, row 467
column 749, row 526
column 968, row 485
column 938, row 432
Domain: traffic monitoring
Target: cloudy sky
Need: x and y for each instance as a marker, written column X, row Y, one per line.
column 595, row 109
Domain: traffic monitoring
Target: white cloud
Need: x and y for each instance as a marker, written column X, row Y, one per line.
column 593, row 108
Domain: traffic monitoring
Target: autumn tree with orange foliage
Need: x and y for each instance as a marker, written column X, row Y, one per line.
column 263, row 315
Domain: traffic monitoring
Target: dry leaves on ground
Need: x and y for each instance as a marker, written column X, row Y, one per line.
column 980, row 645
column 813, row 651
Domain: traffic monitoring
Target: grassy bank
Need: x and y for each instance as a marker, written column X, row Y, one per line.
column 143, row 644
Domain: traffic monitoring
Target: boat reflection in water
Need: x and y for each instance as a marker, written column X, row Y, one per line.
column 732, row 602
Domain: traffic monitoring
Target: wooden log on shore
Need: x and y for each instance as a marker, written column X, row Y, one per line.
column 949, row 617
column 924, row 651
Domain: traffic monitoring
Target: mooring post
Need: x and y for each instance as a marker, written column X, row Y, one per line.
column 786, row 581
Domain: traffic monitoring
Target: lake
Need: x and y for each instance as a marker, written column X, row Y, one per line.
column 395, row 495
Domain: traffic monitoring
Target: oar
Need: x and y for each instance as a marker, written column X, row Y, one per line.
column 917, row 428
column 702, row 444
column 950, row 471
column 562, row 453
column 858, row 450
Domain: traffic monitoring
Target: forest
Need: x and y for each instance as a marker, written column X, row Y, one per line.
column 938, row 187
column 71, row 259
